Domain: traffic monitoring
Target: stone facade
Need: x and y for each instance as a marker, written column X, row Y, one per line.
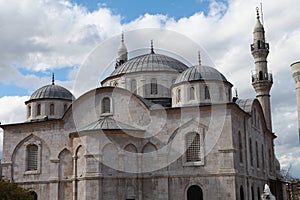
column 142, row 142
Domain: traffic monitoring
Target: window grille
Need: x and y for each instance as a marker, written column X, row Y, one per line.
column 193, row 147
column 32, row 157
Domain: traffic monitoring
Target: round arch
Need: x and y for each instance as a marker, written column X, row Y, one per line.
column 194, row 192
column 34, row 195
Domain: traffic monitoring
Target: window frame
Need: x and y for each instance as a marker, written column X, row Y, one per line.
column 51, row 109
column 39, row 157
column 102, row 106
column 200, row 162
column 38, row 110
column 192, row 93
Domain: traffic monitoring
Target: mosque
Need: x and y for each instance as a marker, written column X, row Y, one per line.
column 156, row 129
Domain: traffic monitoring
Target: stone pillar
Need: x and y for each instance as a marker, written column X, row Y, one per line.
column 54, row 170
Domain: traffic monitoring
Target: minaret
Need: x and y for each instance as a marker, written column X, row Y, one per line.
column 122, row 53
column 296, row 75
column 262, row 80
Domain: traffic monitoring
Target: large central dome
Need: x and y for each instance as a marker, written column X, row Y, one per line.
column 149, row 63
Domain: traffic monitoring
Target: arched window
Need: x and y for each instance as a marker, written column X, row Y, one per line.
column 192, row 141
column 251, row 152
column 178, row 96
column 34, row 195
column 242, row 193
column 206, row 93
column 194, row 193
column 65, row 107
column 106, row 105
column 28, row 111
column 51, row 109
column 32, row 157
column 240, row 147
column 153, row 86
column 192, row 93
column 257, row 155
column 133, row 85
column 221, row 93
column 149, row 147
column 38, row 109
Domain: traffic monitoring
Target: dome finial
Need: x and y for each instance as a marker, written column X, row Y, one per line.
column 122, row 37
column 52, row 78
column 199, row 58
column 257, row 13
column 236, row 93
column 152, row 48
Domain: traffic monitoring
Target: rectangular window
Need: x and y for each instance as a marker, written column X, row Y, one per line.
column 32, row 157
column 193, row 147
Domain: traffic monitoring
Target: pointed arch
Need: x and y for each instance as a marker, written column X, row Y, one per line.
column 80, row 161
column 110, row 156
column 149, row 147
column 26, row 139
column 65, row 164
column 131, row 148
column 65, row 171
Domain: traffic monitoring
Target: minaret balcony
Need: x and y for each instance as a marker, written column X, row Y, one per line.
column 260, row 45
column 256, row 77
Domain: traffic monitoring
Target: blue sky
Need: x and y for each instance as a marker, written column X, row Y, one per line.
column 132, row 9
column 55, row 36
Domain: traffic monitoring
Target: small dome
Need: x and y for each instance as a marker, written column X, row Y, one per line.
column 200, row 73
column 150, row 62
column 52, row 92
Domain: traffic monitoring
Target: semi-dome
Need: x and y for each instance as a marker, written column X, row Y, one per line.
column 149, row 63
column 52, row 92
column 200, row 73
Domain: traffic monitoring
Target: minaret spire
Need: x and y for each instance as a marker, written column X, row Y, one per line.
column 52, row 78
column 262, row 80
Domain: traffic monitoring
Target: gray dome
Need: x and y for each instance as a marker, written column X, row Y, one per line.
column 52, row 92
column 200, row 73
column 150, row 62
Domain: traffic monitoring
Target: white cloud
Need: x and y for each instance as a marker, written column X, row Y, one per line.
column 12, row 110
column 39, row 35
